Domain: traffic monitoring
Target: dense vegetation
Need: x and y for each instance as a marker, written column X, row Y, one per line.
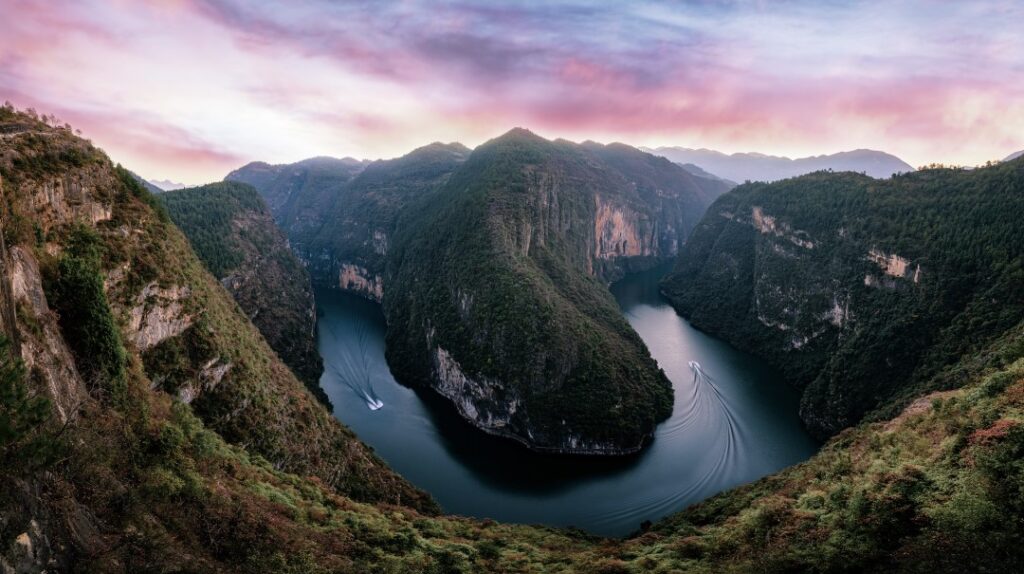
column 81, row 302
column 129, row 313
column 504, row 289
column 149, row 484
column 458, row 244
column 863, row 290
column 231, row 230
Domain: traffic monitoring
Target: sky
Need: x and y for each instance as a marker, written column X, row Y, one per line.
column 190, row 89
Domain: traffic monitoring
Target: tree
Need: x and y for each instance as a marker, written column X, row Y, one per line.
column 23, row 416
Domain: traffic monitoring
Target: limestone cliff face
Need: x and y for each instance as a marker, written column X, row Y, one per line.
column 622, row 232
column 837, row 279
column 42, row 346
column 361, row 281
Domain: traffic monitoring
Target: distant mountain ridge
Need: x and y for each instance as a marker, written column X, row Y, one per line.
column 1014, row 156
column 740, row 167
column 166, row 184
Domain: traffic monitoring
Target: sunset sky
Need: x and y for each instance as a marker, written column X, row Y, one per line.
column 190, row 89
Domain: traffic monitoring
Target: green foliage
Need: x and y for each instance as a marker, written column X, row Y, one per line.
column 958, row 227
column 85, row 317
column 206, row 215
column 25, row 443
column 230, row 229
column 134, row 188
column 507, row 290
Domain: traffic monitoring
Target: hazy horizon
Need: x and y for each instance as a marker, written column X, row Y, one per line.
column 187, row 90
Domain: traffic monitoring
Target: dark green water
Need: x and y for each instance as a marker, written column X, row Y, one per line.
column 735, row 426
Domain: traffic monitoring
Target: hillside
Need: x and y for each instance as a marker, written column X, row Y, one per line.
column 350, row 248
column 103, row 470
column 233, row 233
column 139, row 350
column 760, row 167
column 861, row 290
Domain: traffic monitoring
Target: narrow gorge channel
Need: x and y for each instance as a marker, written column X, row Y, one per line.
column 737, row 424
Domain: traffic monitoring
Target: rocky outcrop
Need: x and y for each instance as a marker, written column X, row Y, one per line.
column 621, row 232
column 44, row 351
column 159, row 313
column 359, row 280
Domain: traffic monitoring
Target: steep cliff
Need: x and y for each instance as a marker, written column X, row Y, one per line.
column 350, row 249
column 233, row 233
column 110, row 302
column 495, row 290
column 860, row 290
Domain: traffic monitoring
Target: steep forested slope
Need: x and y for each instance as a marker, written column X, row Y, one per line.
column 102, row 470
column 470, row 242
column 495, row 292
column 109, row 302
column 349, row 250
column 298, row 194
column 860, row 289
column 232, row 232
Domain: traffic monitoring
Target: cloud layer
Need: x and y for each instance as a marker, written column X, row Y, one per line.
column 188, row 89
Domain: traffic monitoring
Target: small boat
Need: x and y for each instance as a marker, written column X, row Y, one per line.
column 695, row 366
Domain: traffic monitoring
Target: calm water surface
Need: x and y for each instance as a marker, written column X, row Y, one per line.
column 736, row 424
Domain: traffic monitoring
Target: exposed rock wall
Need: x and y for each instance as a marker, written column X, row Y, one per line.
column 360, row 280
column 43, row 347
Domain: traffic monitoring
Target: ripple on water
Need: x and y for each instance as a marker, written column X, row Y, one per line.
column 732, row 423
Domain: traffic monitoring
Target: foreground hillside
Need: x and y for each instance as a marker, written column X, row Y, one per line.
column 232, row 232
column 492, row 268
column 104, row 467
column 861, row 290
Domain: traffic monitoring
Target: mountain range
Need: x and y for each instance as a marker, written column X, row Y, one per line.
column 147, row 426
column 740, row 167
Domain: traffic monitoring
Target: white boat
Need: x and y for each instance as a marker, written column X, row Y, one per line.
column 695, row 366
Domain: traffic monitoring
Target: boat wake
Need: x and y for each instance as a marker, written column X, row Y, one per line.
column 354, row 369
column 703, row 411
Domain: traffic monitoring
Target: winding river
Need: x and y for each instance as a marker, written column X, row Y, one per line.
column 734, row 421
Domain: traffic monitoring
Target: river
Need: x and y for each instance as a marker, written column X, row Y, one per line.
column 733, row 426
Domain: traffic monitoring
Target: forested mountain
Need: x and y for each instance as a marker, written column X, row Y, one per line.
column 298, row 194
column 171, row 439
column 863, row 291
column 233, row 233
column 740, row 167
column 492, row 268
